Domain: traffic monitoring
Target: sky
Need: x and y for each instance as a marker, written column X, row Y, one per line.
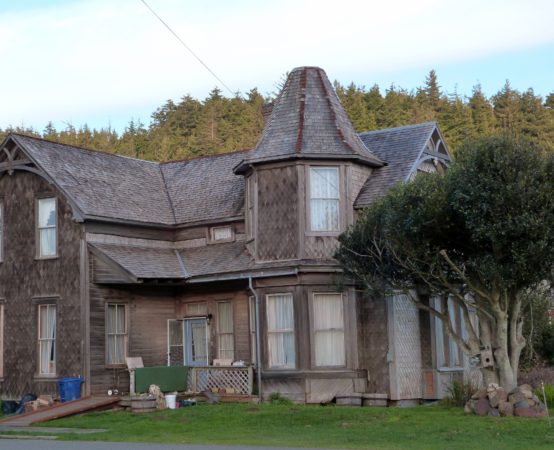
column 105, row 62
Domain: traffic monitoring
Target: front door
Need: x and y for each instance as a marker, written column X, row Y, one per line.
column 196, row 342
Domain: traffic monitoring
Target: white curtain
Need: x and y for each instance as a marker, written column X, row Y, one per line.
column 47, row 226
column 280, row 324
column 225, row 330
column 199, row 344
column 324, row 198
column 329, row 330
column 116, row 330
column 47, row 324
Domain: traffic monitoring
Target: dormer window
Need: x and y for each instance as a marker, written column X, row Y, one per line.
column 222, row 234
column 324, row 199
column 47, row 228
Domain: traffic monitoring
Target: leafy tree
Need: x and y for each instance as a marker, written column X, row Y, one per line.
column 481, row 235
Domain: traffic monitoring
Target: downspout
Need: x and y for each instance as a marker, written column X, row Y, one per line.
column 258, row 340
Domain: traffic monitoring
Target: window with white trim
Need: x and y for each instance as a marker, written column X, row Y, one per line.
column 449, row 354
column 328, row 319
column 225, row 336
column 222, row 233
column 47, row 224
column 47, row 339
column 116, row 333
column 280, row 331
column 324, row 199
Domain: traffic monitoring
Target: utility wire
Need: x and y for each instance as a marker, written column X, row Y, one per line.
column 187, row 47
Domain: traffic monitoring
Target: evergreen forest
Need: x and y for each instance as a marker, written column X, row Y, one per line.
column 220, row 124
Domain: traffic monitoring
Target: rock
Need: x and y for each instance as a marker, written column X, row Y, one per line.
column 492, row 387
column 502, row 394
column 506, row 409
column 482, row 407
column 469, row 408
column 526, row 390
column 524, row 412
column 494, row 413
column 531, row 402
column 521, row 404
column 516, row 396
column 540, row 411
column 481, row 393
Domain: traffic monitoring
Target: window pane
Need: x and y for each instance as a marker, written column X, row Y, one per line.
column 110, row 319
column 47, row 212
column 280, row 319
column 48, row 242
column 225, row 317
column 47, row 339
column 280, row 312
column 120, row 319
column 329, row 330
column 324, row 182
column 175, row 332
column 199, row 347
column 221, row 233
column 281, row 350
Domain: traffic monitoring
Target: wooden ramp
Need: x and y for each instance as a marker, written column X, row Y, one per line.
column 62, row 410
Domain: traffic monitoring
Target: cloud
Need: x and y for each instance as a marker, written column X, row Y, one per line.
column 73, row 60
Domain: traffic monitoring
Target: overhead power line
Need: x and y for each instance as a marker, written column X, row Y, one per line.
column 187, row 47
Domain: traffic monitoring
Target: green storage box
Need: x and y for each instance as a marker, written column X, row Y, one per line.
column 169, row 379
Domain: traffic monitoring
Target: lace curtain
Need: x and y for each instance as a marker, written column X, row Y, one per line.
column 280, row 323
column 329, row 330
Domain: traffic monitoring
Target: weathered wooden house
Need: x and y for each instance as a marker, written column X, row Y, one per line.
column 104, row 256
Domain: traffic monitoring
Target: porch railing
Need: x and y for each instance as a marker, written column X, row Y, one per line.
column 234, row 379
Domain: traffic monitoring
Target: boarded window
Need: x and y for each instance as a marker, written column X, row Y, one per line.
column 47, row 222
column 222, row 233
column 252, row 319
column 328, row 330
column 196, row 309
column 280, row 331
column 225, row 337
column 116, row 333
column 324, row 199
column 47, row 339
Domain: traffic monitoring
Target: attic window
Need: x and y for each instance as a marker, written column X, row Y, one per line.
column 222, row 233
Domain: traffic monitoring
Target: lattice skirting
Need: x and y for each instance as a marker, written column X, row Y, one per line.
column 239, row 379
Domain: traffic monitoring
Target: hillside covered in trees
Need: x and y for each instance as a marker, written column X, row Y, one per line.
column 218, row 124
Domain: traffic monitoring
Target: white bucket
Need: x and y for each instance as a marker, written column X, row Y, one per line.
column 171, row 400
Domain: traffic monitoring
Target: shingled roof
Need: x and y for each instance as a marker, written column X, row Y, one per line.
column 400, row 148
column 113, row 187
column 308, row 120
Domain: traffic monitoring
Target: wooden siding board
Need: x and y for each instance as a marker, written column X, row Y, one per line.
column 23, row 278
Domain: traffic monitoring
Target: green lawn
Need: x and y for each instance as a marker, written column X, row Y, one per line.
column 430, row 427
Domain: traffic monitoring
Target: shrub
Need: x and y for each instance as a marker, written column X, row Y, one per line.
column 549, row 393
column 534, row 376
column 545, row 347
column 458, row 393
column 277, row 399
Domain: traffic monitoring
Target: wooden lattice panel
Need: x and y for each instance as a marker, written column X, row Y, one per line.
column 206, row 378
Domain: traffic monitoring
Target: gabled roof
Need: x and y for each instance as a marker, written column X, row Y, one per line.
column 308, row 121
column 400, row 148
column 112, row 187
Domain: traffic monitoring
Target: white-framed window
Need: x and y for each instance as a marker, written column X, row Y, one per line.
column 328, row 322
column 47, row 227
column 449, row 354
column 252, row 320
column 222, row 233
column 1, row 231
column 324, row 199
column 47, row 339
column 225, row 336
column 1, row 340
column 280, row 331
column 116, row 333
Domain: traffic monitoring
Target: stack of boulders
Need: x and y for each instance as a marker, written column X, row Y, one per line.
column 496, row 401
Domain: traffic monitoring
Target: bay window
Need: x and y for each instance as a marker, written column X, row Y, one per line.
column 324, row 199
column 280, row 331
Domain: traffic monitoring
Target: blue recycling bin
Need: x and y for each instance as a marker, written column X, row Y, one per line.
column 70, row 389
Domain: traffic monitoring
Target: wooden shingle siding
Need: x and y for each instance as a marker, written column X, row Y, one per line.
column 277, row 214
column 26, row 281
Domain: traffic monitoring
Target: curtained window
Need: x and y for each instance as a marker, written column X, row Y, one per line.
column 324, row 199
column 116, row 333
column 225, row 336
column 222, row 234
column 280, row 331
column 47, row 339
column 47, row 223
column 328, row 330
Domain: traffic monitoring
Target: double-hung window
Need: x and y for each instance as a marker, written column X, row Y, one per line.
column 328, row 329
column 324, row 199
column 47, row 224
column 280, row 331
column 47, row 339
column 225, row 337
column 116, row 333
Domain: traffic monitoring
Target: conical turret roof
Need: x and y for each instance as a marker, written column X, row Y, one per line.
column 308, row 121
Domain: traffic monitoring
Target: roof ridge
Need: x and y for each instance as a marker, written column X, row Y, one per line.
column 76, row 147
column 302, row 110
column 193, row 158
column 413, row 125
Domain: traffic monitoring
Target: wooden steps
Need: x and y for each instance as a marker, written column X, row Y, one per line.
column 61, row 410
